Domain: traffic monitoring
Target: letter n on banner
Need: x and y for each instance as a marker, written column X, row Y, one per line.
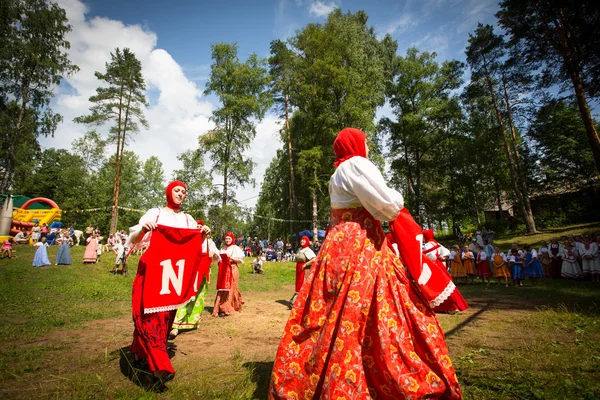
column 168, row 275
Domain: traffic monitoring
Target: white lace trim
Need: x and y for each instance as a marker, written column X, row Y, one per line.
column 443, row 296
column 168, row 308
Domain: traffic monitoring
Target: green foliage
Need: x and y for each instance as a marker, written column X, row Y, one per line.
column 242, row 90
column 561, row 140
column 33, row 60
column 197, row 179
column 427, row 116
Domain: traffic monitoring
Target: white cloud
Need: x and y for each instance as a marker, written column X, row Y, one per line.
column 177, row 114
column 400, row 25
column 320, row 8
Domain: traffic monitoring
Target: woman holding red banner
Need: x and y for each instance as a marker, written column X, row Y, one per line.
column 152, row 326
column 359, row 328
column 229, row 298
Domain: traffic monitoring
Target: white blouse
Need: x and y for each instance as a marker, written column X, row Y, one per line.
column 234, row 251
column 358, row 183
column 163, row 217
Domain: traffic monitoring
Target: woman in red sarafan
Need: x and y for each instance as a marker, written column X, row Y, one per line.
column 151, row 330
column 229, row 298
column 359, row 329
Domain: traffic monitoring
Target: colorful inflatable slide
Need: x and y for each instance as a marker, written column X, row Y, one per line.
column 24, row 217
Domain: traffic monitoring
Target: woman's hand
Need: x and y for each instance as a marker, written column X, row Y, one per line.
column 149, row 226
column 205, row 230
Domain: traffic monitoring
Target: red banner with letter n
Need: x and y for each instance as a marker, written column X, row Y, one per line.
column 173, row 268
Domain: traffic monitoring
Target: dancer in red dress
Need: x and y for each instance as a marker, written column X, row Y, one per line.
column 151, row 329
column 437, row 253
column 360, row 329
column 302, row 266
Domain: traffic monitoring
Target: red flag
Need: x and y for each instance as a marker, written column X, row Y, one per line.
column 173, row 263
column 435, row 285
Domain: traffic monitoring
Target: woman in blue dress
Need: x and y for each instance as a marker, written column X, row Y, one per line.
column 41, row 255
column 533, row 266
column 63, row 257
column 516, row 267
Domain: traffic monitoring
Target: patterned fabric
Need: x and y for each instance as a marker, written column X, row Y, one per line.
column 229, row 301
column 190, row 315
column 359, row 329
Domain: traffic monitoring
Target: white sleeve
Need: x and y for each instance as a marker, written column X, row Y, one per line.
column 150, row 216
column 366, row 182
column 444, row 251
column 534, row 253
column 483, row 256
column 236, row 252
column 309, row 253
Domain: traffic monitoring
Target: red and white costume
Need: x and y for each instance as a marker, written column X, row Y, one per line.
column 437, row 253
column 359, row 328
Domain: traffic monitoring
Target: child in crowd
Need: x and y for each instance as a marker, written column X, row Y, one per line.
column 483, row 266
column 516, row 267
column 544, row 257
column 7, row 248
column 533, row 267
column 457, row 269
column 121, row 252
column 40, row 259
column 570, row 266
column 468, row 260
column 589, row 257
column 500, row 269
column 257, row 263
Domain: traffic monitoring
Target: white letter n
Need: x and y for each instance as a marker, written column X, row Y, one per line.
column 168, row 275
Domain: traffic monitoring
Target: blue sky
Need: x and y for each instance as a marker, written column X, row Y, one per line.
column 172, row 40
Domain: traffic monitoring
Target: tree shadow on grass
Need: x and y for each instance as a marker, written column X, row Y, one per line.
column 260, row 373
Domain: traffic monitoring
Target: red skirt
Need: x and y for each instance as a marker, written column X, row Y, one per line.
column 483, row 268
column 151, row 331
column 359, row 329
column 300, row 272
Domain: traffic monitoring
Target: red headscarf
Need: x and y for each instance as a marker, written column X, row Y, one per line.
column 231, row 235
column 350, row 142
column 170, row 203
column 199, row 222
column 306, row 241
column 428, row 235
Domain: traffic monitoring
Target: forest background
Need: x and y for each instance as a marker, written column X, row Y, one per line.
column 513, row 124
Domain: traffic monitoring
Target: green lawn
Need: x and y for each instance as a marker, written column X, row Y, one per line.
column 64, row 329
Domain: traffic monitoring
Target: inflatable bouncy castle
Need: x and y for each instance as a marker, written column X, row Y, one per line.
column 23, row 217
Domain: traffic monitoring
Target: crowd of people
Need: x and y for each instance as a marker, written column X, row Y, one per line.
column 362, row 321
column 571, row 257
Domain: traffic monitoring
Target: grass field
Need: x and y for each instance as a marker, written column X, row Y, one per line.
column 64, row 329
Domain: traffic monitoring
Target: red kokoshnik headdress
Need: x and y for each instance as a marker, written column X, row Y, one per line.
column 350, row 142
column 170, row 202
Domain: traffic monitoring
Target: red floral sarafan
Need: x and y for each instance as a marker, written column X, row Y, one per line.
column 359, row 328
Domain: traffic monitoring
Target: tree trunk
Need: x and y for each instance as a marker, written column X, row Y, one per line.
column 12, row 145
column 290, row 153
column 509, row 155
column 529, row 221
column 498, row 197
column 568, row 53
column 117, row 179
